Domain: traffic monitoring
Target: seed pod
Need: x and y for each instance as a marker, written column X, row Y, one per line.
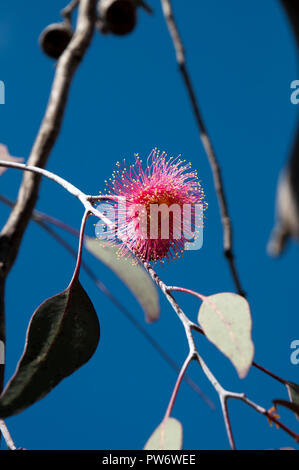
column 118, row 15
column 54, row 39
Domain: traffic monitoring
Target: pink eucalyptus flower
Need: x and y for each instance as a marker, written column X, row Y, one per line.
column 166, row 182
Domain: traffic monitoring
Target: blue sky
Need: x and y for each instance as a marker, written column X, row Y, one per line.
column 128, row 97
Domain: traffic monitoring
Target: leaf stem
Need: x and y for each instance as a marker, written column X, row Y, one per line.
column 206, row 142
column 67, row 11
column 188, row 291
column 189, row 358
column 271, row 374
column 224, row 395
column 12, row 233
column 200, row 330
column 188, row 325
column 79, row 256
column 43, row 220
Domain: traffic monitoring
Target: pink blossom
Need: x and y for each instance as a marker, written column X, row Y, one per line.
column 168, row 181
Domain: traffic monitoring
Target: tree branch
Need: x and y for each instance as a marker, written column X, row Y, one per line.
column 224, row 395
column 8, row 439
column 181, row 375
column 14, row 228
column 43, row 220
column 12, row 233
column 188, row 324
column 67, row 11
column 206, row 142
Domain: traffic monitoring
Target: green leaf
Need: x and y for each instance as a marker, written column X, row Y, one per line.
column 293, row 391
column 287, row 404
column 134, row 276
column 167, row 436
column 226, row 321
column 62, row 335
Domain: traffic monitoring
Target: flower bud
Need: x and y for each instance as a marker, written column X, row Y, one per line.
column 118, row 15
column 54, row 39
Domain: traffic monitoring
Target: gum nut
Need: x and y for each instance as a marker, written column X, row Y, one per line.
column 54, row 39
column 119, row 15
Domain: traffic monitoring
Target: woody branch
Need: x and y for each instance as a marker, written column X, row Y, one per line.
column 189, row 326
column 13, row 231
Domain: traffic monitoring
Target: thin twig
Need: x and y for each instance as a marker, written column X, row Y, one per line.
column 8, row 439
column 207, row 144
column 264, row 412
column 224, row 395
column 182, row 316
column 13, row 231
column 228, row 426
column 271, row 374
column 67, row 11
column 145, row 6
column 188, row 325
column 79, row 255
column 181, row 375
column 200, row 330
column 43, row 220
column 73, row 190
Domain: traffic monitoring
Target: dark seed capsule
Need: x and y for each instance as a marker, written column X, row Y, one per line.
column 54, row 39
column 118, row 15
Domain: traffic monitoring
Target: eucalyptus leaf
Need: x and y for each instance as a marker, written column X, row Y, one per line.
column 63, row 334
column 293, row 391
column 134, row 276
column 167, row 436
column 287, row 404
column 226, row 321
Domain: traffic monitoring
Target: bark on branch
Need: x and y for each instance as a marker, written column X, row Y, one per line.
column 13, row 231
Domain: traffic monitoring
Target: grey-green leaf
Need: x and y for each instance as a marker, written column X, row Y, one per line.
column 287, row 404
column 167, row 436
column 62, row 335
column 293, row 390
column 134, row 276
column 226, row 321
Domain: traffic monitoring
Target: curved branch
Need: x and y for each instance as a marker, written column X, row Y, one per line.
column 17, row 222
column 188, row 324
column 8, row 439
column 44, row 221
column 207, row 144
column 13, row 231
